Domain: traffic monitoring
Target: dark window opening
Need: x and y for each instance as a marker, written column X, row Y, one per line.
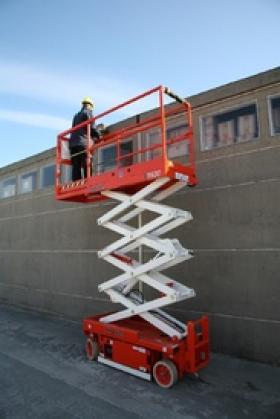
column 180, row 148
column 8, row 187
column 230, row 127
column 48, row 176
column 28, row 182
column 109, row 156
column 275, row 114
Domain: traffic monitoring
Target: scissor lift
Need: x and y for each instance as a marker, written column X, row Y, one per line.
column 141, row 338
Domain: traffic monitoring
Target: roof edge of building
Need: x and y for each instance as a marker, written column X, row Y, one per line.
column 216, row 94
column 43, row 155
column 247, row 84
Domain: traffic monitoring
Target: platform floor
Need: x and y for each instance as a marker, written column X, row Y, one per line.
column 44, row 374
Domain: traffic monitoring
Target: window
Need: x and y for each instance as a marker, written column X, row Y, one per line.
column 9, row 187
column 233, row 126
column 274, row 112
column 47, row 176
column 28, row 182
column 66, row 173
column 180, row 148
column 153, row 138
column 108, row 156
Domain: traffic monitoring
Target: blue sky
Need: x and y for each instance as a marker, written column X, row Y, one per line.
column 53, row 53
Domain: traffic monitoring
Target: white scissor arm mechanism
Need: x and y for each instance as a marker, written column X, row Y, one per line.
column 163, row 252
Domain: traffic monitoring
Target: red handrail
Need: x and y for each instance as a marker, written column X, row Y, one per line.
column 157, row 120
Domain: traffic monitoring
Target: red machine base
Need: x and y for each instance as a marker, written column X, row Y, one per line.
column 135, row 346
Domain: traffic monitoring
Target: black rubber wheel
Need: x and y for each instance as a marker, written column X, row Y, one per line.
column 165, row 373
column 92, row 349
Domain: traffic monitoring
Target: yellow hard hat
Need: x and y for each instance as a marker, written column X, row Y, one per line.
column 87, row 100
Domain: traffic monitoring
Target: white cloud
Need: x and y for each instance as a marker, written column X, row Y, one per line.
column 35, row 119
column 33, row 82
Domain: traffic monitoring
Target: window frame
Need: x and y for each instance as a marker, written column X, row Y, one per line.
column 20, row 175
column 224, row 111
column 149, row 153
column 270, row 118
column 100, row 151
column 178, row 125
column 174, row 122
column 41, row 175
column 2, row 186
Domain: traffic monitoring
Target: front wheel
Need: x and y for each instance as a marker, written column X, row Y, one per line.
column 92, row 349
column 165, row 373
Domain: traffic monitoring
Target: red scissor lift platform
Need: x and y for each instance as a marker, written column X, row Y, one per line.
column 149, row 157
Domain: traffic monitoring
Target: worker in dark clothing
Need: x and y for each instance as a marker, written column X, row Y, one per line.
column 78, row 140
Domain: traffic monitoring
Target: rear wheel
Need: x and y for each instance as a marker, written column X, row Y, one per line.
column 165, row 373
column 92, row 349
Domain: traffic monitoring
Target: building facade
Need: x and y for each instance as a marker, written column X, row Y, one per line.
column 48, row 249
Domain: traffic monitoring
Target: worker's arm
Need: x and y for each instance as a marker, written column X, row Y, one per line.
column 94, row 133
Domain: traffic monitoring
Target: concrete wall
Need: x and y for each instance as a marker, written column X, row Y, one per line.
column 48, row 250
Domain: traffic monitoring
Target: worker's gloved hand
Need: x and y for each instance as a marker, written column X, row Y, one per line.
column 102, row 129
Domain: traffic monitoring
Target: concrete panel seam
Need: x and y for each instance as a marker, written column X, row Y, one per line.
column 34, row 196
column 222, row 315
column 198, row 190
column 93, row 251
column 253, row 249
column 230, row 316
column 229, row 156
column 34, row 310
column 28, row 198
column 237, row 185
column 70, row 251
column 57, row 211
column 46, row 291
